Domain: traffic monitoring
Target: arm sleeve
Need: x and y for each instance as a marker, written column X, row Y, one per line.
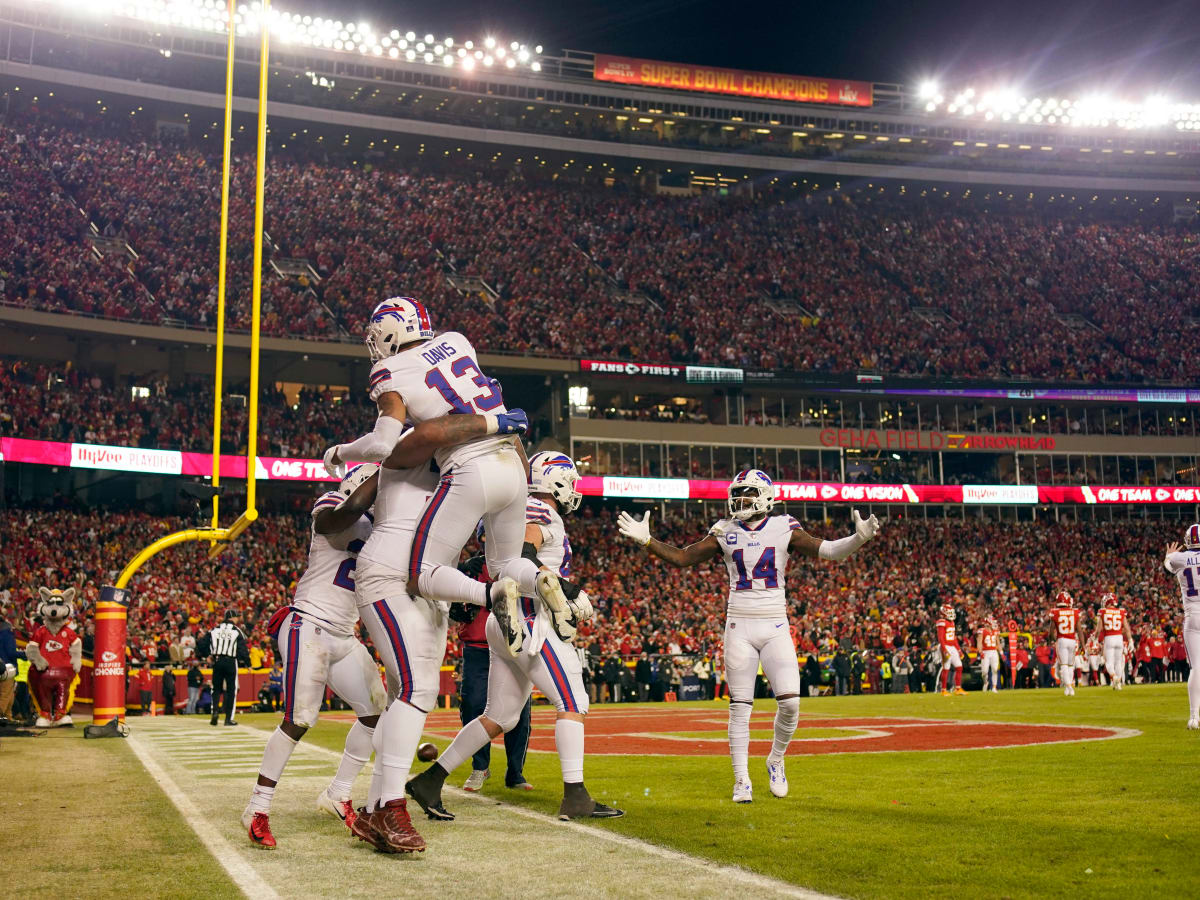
column 841, row 548
column 1172, row 562
column 376, row 445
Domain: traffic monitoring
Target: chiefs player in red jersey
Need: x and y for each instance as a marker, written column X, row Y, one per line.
column 1115, row 633
column 1069, row 636
column 952, row 654
column 989, row 653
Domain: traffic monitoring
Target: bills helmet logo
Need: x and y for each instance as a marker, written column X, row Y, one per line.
column 1191, row 537
column 394, row 323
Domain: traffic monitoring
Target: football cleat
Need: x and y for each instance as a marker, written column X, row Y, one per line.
column 343, row 809
column 426, row 789
column 520, row 786
column 1194, row 724
column 551, row 594
column 396, row 828
column 363, row 828
column 474, row 782
column 506, row 610
column 959, row 690
column 743, row 791
column 258, row 826
column 577, row 803
column 777, row 776
column 945, row 693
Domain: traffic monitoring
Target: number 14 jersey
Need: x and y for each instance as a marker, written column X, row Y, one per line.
column 756, row 557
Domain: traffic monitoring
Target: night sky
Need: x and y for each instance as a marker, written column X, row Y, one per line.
column 1126, row 49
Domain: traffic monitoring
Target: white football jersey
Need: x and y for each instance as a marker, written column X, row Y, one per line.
column 436, row 378
column 399, row 503
column 756, row 557
column 326, row 590
column 1185, row 566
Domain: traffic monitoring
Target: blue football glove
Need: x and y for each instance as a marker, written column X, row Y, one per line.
column 512, row 422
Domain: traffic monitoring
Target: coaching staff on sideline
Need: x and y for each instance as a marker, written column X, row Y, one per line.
column 226, row 646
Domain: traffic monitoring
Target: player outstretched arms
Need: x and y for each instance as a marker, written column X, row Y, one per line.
column 382, row 443
column 638, row 531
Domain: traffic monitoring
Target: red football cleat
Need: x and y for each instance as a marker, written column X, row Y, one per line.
column 396, row 828
column 260, row 831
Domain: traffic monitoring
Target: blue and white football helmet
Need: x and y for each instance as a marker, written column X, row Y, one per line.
column 1191, row 537
column 394, row 323
column 751, row 494
column 354, row 479
column 555, row 474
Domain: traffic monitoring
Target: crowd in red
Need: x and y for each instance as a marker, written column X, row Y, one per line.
column 561, row 261
column 886, row 596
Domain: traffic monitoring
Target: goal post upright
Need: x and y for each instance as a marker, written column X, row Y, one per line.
column 109, row 673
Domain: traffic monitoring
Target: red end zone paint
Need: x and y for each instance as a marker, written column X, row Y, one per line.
column 641, row 732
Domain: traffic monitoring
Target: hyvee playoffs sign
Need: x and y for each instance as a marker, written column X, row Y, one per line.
column 126, row 459
column 768, row 85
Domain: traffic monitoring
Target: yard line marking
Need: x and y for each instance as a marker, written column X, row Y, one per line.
column 241, row 872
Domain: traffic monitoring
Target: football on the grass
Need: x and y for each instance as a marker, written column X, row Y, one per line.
column 427, row 752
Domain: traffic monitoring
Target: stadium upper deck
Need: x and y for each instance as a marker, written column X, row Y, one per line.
column 502, row 93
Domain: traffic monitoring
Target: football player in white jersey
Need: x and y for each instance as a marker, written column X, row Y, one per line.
column 419, row 377
column 409, row 634
column 547, row 660
column 317, row 647
column 1183, row 561
column 756, row 546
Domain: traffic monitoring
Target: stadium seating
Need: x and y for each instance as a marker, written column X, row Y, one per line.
column 1070, row 294
column 890, row 591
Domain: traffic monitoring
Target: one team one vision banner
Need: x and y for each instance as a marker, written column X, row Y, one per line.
column 742, row 83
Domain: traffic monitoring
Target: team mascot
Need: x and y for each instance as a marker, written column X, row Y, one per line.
column 55, row 653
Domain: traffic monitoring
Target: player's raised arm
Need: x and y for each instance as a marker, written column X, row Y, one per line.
column 376, row 444
column 334, row 519
column 638, row 530
column 806, row 544
column 1169, row 564
column 417, row 445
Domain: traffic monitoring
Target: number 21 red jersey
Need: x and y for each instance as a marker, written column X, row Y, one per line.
column 1066, row 621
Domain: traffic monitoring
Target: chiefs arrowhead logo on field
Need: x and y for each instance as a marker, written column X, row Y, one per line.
column 53, row 646
column 108, row 656
column 828, row 492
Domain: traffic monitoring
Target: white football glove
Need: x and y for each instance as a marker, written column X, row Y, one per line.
column 637, row 530
column 865, row 528
column 335, row 469
column 8, row 670
column 581, row 608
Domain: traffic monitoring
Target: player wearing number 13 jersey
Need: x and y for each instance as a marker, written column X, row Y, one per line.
column 1183, row 561
column 418, row 376
column 756, row 547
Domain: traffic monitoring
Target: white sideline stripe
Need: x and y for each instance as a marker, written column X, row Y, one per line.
column 242, row 873
column 730, row 873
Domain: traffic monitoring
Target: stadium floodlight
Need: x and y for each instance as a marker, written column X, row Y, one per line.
column 928, row 89
column 468, row 63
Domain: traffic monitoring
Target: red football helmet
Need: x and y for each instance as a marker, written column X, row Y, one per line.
column 1064, row 599
column 1110, row 601
column 948, row 611
column 991, row 623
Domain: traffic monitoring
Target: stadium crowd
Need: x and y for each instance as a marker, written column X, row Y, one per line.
column 881, row 605
column 825, row 282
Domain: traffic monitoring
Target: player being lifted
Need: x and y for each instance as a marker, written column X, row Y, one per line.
column 1183, row 561
column 1115, row 633
column 1068, row 637
column 756, row 546
column 951, row 651
column 416, row 377
column 547, row 660
column 989, row 654
column 318, row 648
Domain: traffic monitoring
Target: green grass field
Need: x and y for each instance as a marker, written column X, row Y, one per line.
column 1104, row 818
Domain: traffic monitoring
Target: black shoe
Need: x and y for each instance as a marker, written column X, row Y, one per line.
column 577, row 803
column 229, row 722
column 426, row 789
column 212, row 721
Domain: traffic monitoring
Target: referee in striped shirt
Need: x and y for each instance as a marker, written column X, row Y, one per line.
column 226, row 647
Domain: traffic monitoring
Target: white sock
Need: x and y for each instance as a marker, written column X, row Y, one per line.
column 786, row 717
column 260, row 800
column 376, row 787
column 451, row 586
column 356, row 755
column 396, row 738
column 568, row 739
column 277, row 753
column 523, row 572
column 1194, row 692
column 472, row 736
column 739, row 739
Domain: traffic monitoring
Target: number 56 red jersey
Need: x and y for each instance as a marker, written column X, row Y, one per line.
column 756, row 558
